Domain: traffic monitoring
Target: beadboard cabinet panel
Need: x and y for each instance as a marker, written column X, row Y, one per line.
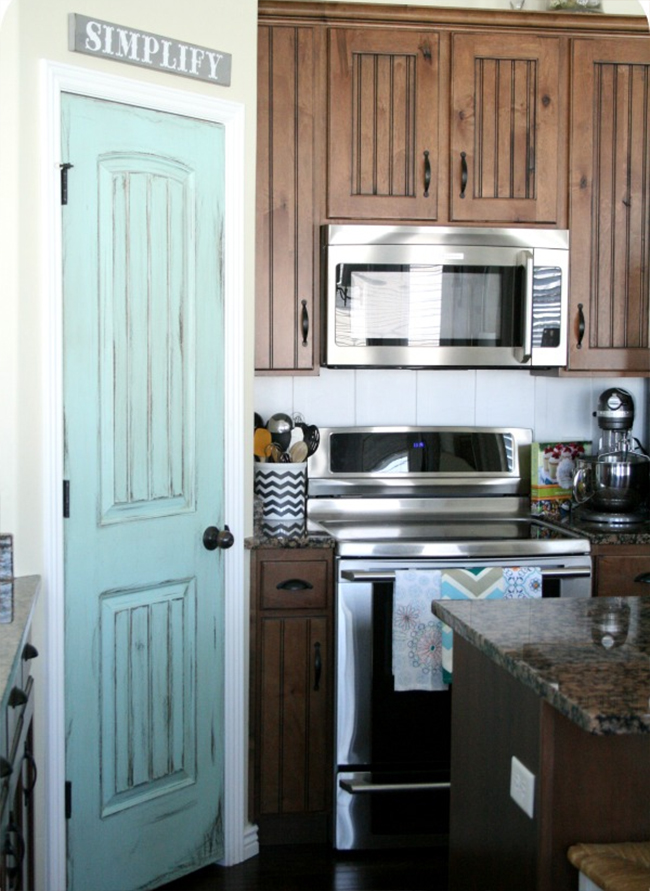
column 383, row 144
column 289, row 90
column 610, row 206
column 508, row 146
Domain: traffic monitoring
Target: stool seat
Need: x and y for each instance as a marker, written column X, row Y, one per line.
column 620, row 866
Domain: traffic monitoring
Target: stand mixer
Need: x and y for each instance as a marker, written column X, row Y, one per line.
column 612, row 486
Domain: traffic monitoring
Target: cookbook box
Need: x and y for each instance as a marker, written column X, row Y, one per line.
column 552, row 466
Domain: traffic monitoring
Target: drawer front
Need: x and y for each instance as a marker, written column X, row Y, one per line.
column 288, row 584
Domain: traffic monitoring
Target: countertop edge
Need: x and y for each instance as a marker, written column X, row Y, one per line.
column 13, row 634
column 517, row 668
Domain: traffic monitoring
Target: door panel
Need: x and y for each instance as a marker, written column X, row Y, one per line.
column 143, row 393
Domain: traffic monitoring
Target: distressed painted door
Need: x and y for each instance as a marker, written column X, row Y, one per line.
column 142, row 236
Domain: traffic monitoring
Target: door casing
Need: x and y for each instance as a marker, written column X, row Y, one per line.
column 240, row 838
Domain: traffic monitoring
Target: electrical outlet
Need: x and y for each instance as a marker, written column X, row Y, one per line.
column 522, row 786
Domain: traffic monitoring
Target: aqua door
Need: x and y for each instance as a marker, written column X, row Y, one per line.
column 143, row 397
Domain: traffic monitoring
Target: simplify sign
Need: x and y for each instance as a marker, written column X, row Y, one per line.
column 97, row 38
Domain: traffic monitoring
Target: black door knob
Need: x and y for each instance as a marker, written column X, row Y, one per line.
column 218, row 538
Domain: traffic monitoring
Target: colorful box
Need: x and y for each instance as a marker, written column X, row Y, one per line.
column 552, row 467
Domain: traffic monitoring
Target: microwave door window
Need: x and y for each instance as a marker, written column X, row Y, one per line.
column 481, row 307
column 428, row 305
column 388, row 305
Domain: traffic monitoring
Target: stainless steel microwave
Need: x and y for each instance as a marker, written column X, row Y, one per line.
column 434, row 297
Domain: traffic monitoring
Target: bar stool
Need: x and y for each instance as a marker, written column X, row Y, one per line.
column 620, row 866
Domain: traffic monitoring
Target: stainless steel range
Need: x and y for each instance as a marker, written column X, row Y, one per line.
column 421, row 498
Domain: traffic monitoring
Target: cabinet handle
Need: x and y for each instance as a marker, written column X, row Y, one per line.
column 17, row 697
column 304, row 322
column 643, row 577
column 294, row 585
column 29, row 786
column 581, row 326
column 427, row 174
column 318, row 666
column 29, row 652
column 463, row 173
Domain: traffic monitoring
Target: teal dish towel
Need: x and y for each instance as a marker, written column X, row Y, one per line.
column 484, row 583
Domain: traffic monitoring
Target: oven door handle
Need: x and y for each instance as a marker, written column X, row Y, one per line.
column 356, row 788
column 555, row 572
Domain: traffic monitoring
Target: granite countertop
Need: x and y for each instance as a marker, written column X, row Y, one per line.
column 599, row 533
column 589, row 658
column 20, row 594
column 304, row 539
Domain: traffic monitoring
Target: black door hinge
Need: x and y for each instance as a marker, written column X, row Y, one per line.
column 68, row 799
column 64, row 182
column 66, row 499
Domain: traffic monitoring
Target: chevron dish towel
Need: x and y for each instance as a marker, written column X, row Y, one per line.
column 484, row 583
column 417, row 648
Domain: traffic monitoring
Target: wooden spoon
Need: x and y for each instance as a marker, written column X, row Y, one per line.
column 298, row 452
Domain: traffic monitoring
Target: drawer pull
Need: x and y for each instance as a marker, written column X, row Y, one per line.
column 318, row 666
column 17, row 697
column 643, row 577
column 29, row 652
column 5, row 768
column 294, row 585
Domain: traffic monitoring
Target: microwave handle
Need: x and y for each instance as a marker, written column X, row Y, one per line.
column 524, row 353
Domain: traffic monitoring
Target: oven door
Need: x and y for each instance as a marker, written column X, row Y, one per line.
column 393, row 748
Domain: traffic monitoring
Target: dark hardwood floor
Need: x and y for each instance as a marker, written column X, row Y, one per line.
column 319, row 868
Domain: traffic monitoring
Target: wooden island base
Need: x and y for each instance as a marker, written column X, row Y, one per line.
column 588, row 788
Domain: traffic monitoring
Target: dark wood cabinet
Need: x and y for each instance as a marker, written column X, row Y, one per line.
column 383, row 138
column 291, row 694
column 616, row 568
column 610, row 206
column 290, row 92
column 507, row 150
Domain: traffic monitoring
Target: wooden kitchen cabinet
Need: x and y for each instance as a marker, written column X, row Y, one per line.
column 384, row 111
column 290, row 91
column 616, row 568
column 610, row 206
column 391, row 155
column 291, row 694
column 508, row 136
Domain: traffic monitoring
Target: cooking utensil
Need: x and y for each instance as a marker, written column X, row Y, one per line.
column 312, row 438
column 274, row 452
column 299, row 452
column 261, row 439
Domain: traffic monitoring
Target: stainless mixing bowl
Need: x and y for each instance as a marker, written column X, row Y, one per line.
column 612, row 486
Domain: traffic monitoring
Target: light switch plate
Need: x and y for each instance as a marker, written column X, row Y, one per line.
column 522, row 786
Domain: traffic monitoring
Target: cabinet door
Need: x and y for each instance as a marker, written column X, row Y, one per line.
column 286, row 238
column 610, row 206
column 507, row 150
column 615, row 575
column 383, row 125
column 293, row 731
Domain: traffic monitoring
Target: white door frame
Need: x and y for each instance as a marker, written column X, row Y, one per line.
column 240, row 839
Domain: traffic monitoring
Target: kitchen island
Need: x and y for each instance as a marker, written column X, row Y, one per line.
column 563, row 686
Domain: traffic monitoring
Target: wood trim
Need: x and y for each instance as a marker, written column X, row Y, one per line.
column 573, row 24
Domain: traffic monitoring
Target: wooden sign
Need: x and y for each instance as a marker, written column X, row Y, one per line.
column 134, row 47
